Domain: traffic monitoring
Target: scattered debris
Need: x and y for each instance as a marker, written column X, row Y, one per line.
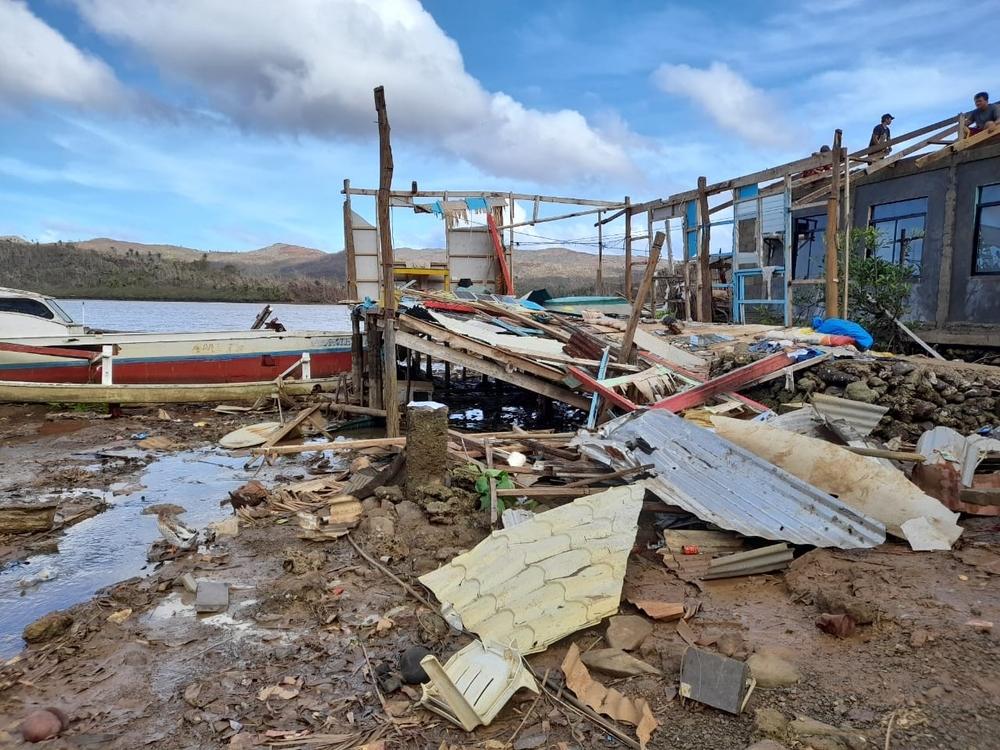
column 725, row 485
column 546, row 578
column 211, row 596
column 841, row 625
column 762, row 560
column 716, row 680
column 867, row 486
column 665, row 611
column 27, row 519
column 475, row 683
column 627, row 632
column 607, row 701
column 617, row 663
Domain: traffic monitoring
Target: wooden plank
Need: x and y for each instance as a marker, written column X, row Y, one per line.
column 628, row 250
column 890, row 160
column 739, row 378
column 458, row 341
column 549, row 491
column 488, row 367
column 956, row 147
column 613, row 475
column 901, row 138
column 487, row 194
column 336, row 445
column 609, row 394
column 494, row 511
column 626, row 353
column 947, row 250
column 390, row 401
column 290, row 426
column 560, row 217
column 350, row 259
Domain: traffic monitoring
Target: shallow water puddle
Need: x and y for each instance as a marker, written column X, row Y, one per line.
column 112, row 546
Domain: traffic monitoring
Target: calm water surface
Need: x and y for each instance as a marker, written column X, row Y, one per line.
column 119, row 315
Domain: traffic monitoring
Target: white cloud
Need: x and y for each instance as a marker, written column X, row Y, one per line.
column 729, row 99
column 37, row 62
column 302, row 66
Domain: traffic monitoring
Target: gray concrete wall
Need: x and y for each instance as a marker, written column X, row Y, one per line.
column 974, row 299
column 933, row 186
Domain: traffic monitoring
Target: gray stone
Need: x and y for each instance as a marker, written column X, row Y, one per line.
column 211, row 596
column 410, row 514
column 382, row 526
column 859, row 391
column 770, row 722
column 47, row 627
column 766, row 745
column 627, row 632
column 771, row 670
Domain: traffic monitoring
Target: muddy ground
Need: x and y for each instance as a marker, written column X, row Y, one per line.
column 312, row 617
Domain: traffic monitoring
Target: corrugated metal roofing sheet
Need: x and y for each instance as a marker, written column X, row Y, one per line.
column 726, row 485
column 863, row 417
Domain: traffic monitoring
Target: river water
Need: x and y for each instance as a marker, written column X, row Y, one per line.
column 126, row 315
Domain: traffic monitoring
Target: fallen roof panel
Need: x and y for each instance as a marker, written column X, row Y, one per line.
column 863, row 417
column 726, row 485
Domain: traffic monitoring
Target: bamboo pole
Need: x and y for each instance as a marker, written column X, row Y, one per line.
column 390, row 399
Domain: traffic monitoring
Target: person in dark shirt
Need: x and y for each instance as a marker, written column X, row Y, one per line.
column 881, row 135
column 985, row 116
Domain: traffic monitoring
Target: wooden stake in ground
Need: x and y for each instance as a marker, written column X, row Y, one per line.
column 390, row 399
column 625, row 355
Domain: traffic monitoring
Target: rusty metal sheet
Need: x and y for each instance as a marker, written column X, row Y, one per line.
column 726, row 485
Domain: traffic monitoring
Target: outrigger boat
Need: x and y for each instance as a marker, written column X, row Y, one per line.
column 46, row 356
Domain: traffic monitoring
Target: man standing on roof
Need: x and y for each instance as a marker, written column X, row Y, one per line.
column 985, row 116
column 880, row 136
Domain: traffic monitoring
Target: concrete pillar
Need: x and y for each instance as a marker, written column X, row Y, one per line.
column 426, row 445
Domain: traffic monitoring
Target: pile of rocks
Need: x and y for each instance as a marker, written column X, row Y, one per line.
column 918, row 397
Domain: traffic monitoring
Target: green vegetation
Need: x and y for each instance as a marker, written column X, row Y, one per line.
column 63, row 270
column 879, row 290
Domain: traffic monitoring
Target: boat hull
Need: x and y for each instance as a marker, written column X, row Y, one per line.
column 200, row 358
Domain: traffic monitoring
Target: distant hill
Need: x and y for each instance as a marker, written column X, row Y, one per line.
column 108, row 269
column 118, row 269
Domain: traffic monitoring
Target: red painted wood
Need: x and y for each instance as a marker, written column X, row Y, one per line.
column 613, row 396
column 498, row 249
column 755, row 405
column 738, row 378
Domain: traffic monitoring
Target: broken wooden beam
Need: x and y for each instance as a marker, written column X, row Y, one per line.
column 488, row 367
column 739, row 378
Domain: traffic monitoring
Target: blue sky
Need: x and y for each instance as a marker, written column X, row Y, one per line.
column 231, row 125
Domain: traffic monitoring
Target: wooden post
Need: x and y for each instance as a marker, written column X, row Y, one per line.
column 390, row 399
column 599, row 287
column 649, row 244
column 352, row 271
column 832, row 225
column 357, row 356
column 704, row 254
column 628, row 249
column 846, row 213
column 625, row 354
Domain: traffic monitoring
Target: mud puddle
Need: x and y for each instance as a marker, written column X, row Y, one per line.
column 112, row 546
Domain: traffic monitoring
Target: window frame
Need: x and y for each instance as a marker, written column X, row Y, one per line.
column 975, row 230
column 799, row 247
column 916, row 268
column 28, row 301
